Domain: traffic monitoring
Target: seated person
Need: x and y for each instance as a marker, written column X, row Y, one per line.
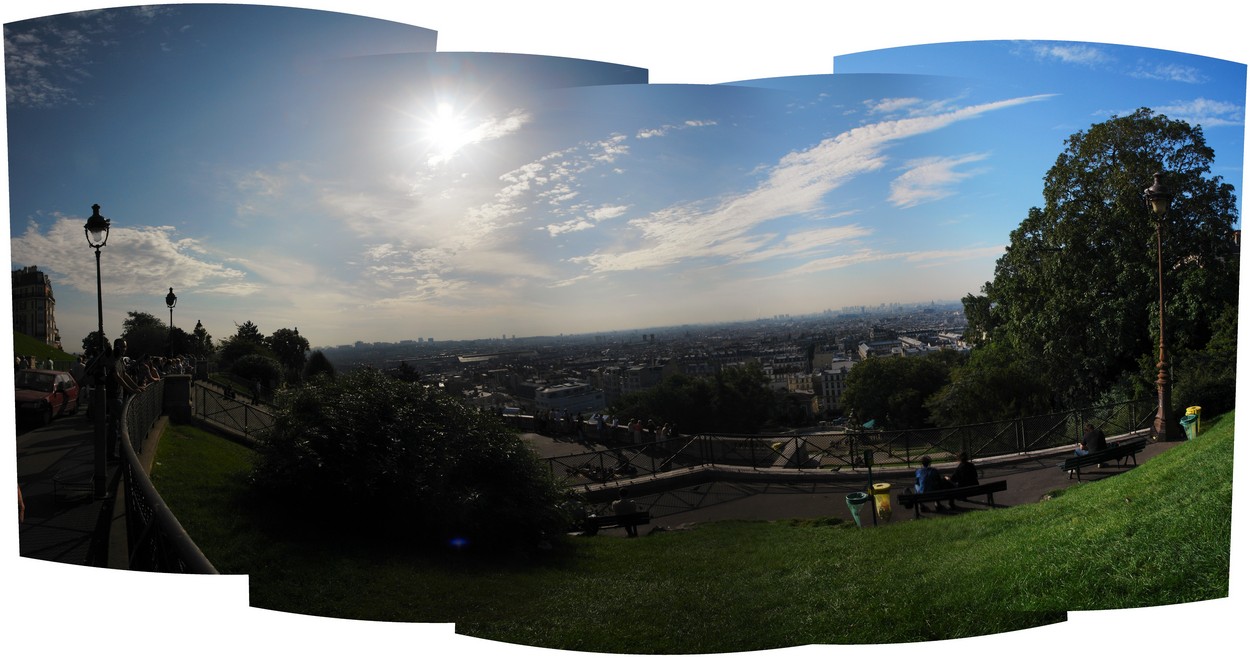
column 928, row 480
column 1092, row 441
column 965, row 474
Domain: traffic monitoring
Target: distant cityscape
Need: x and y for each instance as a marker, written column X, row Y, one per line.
column 805, row 356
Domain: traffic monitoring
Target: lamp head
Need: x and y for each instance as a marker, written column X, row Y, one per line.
column 171, row 299
column 96, row 228
column 1158, row 196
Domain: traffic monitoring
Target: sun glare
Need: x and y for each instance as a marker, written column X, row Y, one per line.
column 446, row 133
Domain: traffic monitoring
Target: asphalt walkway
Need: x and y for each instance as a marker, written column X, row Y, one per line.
column 1030, row 478
column 55, row 465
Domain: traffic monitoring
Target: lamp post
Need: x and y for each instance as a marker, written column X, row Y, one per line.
column 1158, row 199
column 97, row 232
column 170, row 300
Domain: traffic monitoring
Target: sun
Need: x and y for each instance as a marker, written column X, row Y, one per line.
column 446, row 132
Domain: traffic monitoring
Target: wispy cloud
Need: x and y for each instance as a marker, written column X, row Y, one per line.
column 46, row 62
column 1205, row 112
column 930, row 179
column 1169, row 72
column 796, row 185
column 1083, row 54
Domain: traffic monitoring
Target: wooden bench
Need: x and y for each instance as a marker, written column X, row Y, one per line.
column 987, row 489
column 593, row 524
column 1117, row 452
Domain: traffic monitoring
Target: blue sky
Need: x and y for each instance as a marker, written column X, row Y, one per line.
column 336, row 174
column 164, row 129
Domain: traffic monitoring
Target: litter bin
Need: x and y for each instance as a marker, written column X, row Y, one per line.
column 855, row 502
column 1189, row 424
column 1197, row 413
column 881, row 492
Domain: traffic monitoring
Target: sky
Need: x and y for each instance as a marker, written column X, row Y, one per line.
column 360, row 180
column 344, row 176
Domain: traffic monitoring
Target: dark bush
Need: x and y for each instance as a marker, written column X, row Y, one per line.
column 396, row 460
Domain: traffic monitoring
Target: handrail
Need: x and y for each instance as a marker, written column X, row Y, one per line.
column 156, row 540
column 837, row 450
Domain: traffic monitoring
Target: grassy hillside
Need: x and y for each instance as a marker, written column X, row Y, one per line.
column 1157, row 534
column 27, row 346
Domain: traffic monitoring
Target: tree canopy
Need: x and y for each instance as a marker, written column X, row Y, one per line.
column 1075, row 296
column 397, row 460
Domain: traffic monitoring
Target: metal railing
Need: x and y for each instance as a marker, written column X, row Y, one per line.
column 230, row 413
column 835, row 451
column 156, row 540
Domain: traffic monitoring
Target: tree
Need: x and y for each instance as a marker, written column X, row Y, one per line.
column 246, row 341
column 893, row 390
column 201, row 342
column 396, row 460
column 145, row 335
column 1075, row 294
column 318, row 365
column 291, row 350
column 91, row 343
column 992, row 385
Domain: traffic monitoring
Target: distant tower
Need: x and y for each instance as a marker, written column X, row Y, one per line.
column 34, row 307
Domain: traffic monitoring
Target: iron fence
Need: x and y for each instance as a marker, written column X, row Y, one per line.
column 228, row 412
column 841, row 450
column 155, row 539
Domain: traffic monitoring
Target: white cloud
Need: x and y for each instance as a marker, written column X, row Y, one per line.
column 796, row 185
column 135, row 259
column 1170, row 73
column 930, row 179
column 1205, row 112
column 1073, row 53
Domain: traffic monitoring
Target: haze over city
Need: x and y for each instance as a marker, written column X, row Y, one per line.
column 337, row 174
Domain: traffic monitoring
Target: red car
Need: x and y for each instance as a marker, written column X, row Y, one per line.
column 45, row 394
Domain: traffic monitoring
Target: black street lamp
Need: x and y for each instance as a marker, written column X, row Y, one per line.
column 97, row 232
column 1158, row 199
column 170, row 300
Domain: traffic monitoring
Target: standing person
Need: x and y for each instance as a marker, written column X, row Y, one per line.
column 635, row 426
column 79, row 371
column 118, row 385
column 623, row 505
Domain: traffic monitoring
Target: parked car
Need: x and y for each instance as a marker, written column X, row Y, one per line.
column 45, row 394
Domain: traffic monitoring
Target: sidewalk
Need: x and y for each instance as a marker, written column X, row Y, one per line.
column 1029, row 479
column 63, row 516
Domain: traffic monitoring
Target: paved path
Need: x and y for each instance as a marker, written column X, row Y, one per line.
column 61, row 521
column 1029, row 479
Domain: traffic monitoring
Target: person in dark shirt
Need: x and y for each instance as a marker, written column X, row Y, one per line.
column 1092, row 441
column 965, row 474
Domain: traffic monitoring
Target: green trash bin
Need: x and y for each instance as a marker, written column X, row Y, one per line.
column 855, row 502
column 1189, row 424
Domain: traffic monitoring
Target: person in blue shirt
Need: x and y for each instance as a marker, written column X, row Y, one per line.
column 928, row 480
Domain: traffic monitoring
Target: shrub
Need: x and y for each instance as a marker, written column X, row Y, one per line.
column 396, row 460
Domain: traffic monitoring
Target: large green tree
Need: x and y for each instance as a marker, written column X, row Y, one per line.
column 380, row 457
column 145, row 334
column 1075, row 296
column 893, row 390
column 291, row 350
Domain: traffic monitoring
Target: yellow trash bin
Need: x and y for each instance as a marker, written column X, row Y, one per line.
column 881, row 494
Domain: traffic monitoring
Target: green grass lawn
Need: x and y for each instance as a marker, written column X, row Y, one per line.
column 1157, row 534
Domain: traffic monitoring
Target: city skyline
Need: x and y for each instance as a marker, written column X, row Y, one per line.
column 336, row 174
